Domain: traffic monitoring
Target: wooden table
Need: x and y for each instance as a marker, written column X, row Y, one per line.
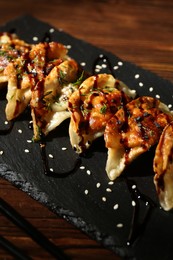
column 137, row 31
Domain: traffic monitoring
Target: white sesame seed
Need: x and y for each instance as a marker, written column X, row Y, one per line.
column 97, row 70
column 1, row 152
column 157, row 96
column 133, row 186
column 108, row 190
column 64, row 148
column 88, row 172
column 141, row 84
column 98, row 66
column 68, row 46
column 104, row 66
column 51, row 169
column 98, row 184
column 115, row 67
column 35, row 38
column 133, row 203
column 29, row 141
column 116, row 206
column 82, row 167
column 86, row 192
column 170, row 106
column 151, row 89
column 83, row 64
column 51, row 30
column 104, row 199
column 137, row 76
column 101, row 55
column 20, row 131
column 119, row 225
column 6, row 122
column 50, row 155
column 110, row 182
column 120, row 63
column 26, row 151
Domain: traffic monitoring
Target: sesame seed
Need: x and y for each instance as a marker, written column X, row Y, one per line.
column 157, row 96
column 141, row 84
column 64, row 148
column 115, row 67
column 151, row 89
column 1, row 152
column 6, row 122
column 97, row 70
column 20, row 131
column 29, row 141
column 104, row 66
column 51, row 30
column 98, row 66
column 88, row 172
column 111, row 183
column 50, row 155
column 98, row 185
column 116, row 206
column 120, row 63
column 51, row 169
column 101, row 56
column 170, row 106
column 26, row 151
column 133, row 203
column 82, row 167
column 83, row 64
column 137, row 76
column 119, row 225
column 86, row 192
column 68, row 46
column 108, row 190
column 35, row 38
column 104, row 199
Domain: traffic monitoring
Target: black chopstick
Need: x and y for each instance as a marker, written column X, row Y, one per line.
column 33, row 232
column 14, row 251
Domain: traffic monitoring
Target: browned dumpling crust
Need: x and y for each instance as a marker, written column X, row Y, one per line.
column 132, row 131
column 11, row 48
column 163, row 168
column 92, row 105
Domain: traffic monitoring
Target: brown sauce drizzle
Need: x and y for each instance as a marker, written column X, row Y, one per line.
column 137, row 229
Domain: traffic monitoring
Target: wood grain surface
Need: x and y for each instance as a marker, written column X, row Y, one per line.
column 137, row 31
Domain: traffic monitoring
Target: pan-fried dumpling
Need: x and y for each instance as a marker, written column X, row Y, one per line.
column 49, row 102
column 163, row 168
column 132, row 131
column 11, row 48
column 92, row 105
column 27, row 72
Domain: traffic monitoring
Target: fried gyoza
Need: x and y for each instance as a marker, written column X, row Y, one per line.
column 11, row 48
column 49, row 103
column 163, row 168
column 92, row 105
column 132, row 131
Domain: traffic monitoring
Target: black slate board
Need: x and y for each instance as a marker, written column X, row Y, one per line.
column 67, row 196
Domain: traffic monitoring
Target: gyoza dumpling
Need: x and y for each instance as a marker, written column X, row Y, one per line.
column 11, row 48
column 92, row 105
column 163, row 168
column 132, row 131
column 27, row 70
column 49, row 103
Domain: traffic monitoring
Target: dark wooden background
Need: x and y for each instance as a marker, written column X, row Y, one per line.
column 137, row 31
